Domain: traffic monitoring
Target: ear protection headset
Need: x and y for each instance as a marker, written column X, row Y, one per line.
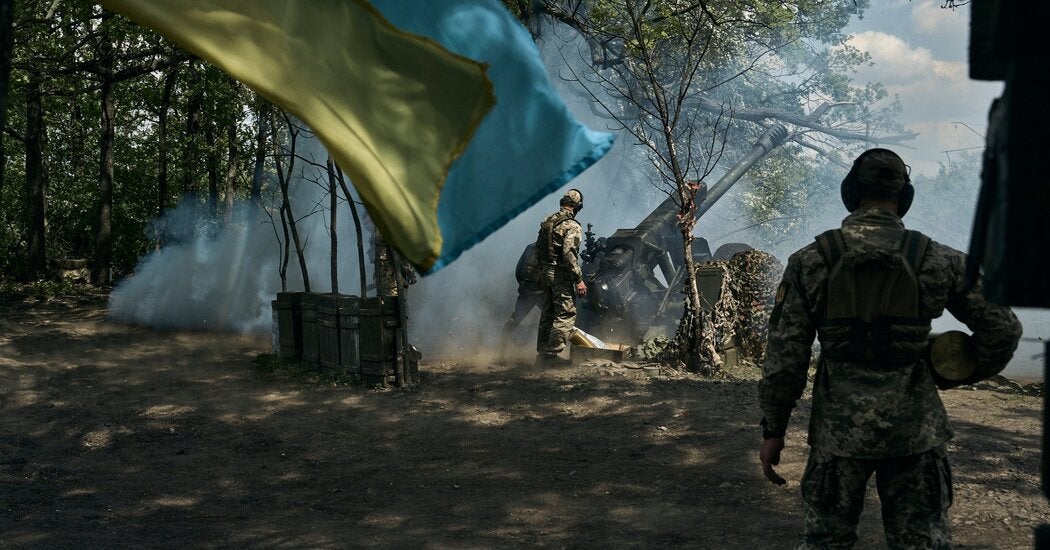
column 577, row 206
column 851, row 185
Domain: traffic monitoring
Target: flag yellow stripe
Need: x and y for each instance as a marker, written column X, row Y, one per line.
column 394, row 109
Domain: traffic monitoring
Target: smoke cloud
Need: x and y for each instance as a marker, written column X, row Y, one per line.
column 214, row 275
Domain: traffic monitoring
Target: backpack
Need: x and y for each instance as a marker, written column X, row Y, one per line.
column 545, row 245
column 873, row 299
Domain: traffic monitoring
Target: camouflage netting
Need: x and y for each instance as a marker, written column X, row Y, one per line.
column 649, row 350
column 756, row 275
column 740, row 316
column 722, row 317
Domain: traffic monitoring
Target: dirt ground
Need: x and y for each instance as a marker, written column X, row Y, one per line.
column 114, row 436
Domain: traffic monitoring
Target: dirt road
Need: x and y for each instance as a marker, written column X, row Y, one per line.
column 114, row 436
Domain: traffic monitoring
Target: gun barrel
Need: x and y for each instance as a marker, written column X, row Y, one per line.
column 769, row 141
column 660, row 227
column 624, row 295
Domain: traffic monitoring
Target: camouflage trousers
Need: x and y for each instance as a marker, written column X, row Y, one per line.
column 915, row 492
column 528, row 298
column 557, row 314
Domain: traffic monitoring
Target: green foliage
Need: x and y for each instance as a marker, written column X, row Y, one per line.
column 11, row 291
column 787, row 199
column 59, row 43
column 718, row 74
column 944, row 204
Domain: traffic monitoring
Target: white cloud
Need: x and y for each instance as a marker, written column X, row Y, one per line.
column 934, row 94
column 929, row 18
column 894, row 61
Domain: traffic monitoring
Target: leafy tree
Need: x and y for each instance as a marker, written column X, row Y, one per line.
column 696, row 82
column 80, row 184
column 7, row 8
column 941, row 200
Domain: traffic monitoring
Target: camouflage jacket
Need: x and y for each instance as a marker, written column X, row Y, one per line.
column 868, row 410
column 565, row 241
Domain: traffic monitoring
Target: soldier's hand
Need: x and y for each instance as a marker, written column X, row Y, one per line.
column 770, row 456
column 581, row 289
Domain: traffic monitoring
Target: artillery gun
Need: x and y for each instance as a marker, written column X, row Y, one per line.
column 626, row 299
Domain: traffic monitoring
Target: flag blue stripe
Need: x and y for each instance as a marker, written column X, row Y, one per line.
column 526, row 148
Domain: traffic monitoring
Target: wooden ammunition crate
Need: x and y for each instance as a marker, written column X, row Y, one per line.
column 328, row 331
column 289, row 325
column 379, row 318
column 349, row 327
column 311, row 341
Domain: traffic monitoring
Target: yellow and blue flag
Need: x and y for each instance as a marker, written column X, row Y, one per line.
column 394, row 109
column 398, row 92
column 527, row 147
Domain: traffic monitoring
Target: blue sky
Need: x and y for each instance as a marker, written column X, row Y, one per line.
column 919, row 51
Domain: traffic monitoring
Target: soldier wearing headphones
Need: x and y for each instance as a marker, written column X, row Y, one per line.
column 558, row 251
column 868, row 292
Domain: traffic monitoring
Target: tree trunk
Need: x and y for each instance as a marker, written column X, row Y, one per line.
column 213, row 169
column 357, row 228
column 193, row 119
column 696, row 339
column 286, row 204
column 162, row 141
column 7, row 8
column 262, row 116
column 332, row 207
column 102, row 268
column 690, row 340
column 231, row 168
column 282, row 268
column 36, row 181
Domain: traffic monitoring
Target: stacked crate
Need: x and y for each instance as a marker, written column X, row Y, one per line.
column 379, row 326
column 289, row 325
column 363, row 337
column 349, row 330
column 328, row 331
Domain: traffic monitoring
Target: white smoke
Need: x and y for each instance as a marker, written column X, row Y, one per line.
column 212, row 275
column 460, row 311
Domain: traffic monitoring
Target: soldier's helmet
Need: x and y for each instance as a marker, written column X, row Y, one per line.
column 574, row 198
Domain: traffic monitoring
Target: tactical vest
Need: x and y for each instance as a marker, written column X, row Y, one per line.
column 873, row 296
column 548, row 250
column 528, row 272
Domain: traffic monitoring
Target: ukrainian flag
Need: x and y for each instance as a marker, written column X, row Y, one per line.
column 400, row 99
column 526, row 148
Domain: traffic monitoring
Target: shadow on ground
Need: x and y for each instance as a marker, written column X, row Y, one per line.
column 114, row 436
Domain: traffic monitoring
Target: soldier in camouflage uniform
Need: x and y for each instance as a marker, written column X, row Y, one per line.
column 875, row 408
column 558, row 251
column 530, row 292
